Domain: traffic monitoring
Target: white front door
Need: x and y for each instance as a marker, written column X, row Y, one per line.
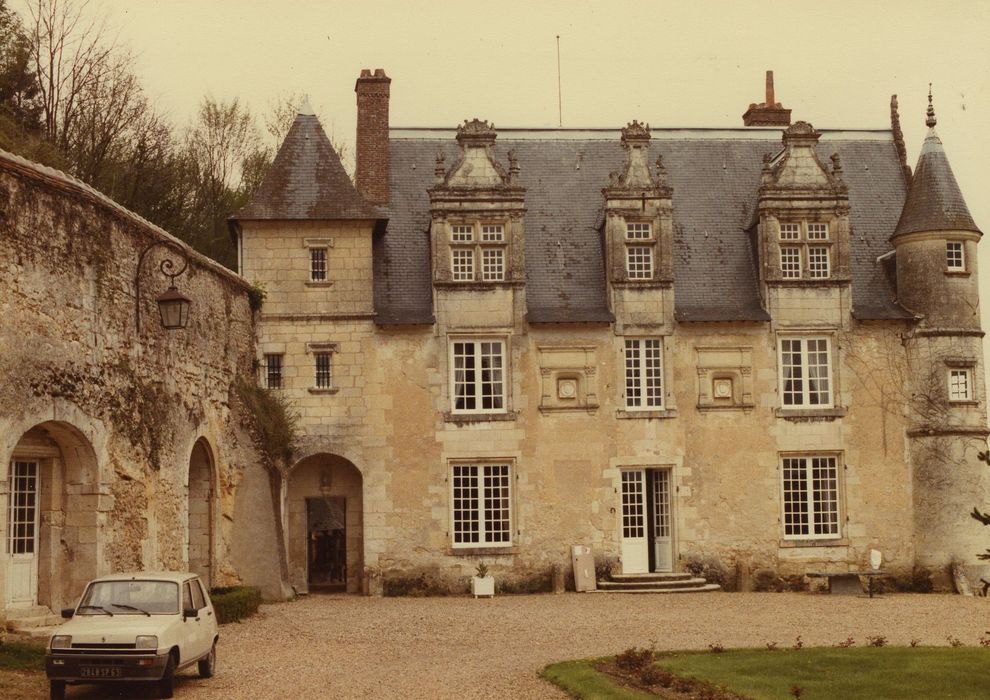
column 662, row 541
column 22, row 535
column 635, row 555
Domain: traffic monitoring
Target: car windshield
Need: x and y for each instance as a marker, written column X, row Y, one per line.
column 130, row 598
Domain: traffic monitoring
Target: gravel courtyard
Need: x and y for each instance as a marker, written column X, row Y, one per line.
column 337, row 646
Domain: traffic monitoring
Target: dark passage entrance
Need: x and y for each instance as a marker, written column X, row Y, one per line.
column 327, row 551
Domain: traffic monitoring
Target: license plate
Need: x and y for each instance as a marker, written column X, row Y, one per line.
column 99, row 672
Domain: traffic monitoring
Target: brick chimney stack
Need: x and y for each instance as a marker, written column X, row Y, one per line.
column 769, row 113
column 371, row 175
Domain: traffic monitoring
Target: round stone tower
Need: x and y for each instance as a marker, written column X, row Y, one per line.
column 935, row 242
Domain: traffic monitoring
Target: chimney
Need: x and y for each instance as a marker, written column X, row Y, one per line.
column 769, row 113
column 371, row 175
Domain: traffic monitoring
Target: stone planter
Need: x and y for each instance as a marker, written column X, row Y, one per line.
column 483, row 586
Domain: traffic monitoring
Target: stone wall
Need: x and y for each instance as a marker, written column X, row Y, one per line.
column 110, row 412
column 390, row 416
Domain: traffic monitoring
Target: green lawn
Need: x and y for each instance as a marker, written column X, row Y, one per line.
column 825, row 673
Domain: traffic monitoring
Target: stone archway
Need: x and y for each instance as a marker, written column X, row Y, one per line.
column 51, row 517
column 200, row 510
column 325, row 524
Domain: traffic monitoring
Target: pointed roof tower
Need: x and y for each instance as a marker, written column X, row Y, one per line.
column 307, row 180
column 934, row 201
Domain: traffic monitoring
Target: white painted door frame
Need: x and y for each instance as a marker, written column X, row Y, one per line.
column 22, row 533
column 662, row 520
column 633, row 522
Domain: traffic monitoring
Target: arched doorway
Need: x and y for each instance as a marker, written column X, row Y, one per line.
column 199, row 511
column 325, row 525
column 51, row 518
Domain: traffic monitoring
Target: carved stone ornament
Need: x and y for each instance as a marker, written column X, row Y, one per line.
column 634, row 131
column 476, row 130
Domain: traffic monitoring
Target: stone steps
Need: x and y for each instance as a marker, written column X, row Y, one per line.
column 38, row 616
column 657, row 582
column 32, row 634
column 706, row 588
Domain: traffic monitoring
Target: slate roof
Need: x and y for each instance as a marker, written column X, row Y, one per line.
column 307, row 181
column 934, row 201
column 715, row 175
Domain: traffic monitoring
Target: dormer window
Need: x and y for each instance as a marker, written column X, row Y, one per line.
column 639, row 250
column 955, row 257
column 477, row 252
column 805, row 250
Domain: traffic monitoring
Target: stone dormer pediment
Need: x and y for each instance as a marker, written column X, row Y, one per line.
column 635, row 179
column 477, row 168
column 797, row 168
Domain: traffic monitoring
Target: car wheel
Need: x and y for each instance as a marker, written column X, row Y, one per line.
column 208, row 664
column 56, row 690
column 166, row 686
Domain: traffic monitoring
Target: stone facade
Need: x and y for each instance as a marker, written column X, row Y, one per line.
column 784, row 439
column 122, row 446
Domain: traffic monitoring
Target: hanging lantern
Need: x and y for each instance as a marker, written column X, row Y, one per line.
column 174, row 308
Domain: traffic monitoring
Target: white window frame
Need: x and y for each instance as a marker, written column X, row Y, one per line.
column 492, row 264
column 805, row 378
column 462, row 264
column 475, row 389
column 637, row 370
column 639, row 231
column 474, row 245
column 819, row 262
column 966, row 374
column 642, row 268
column 826, row 503
column 790, row 231
column 478, row 481
column 267, row 367
column 788, row 270
column 955, row 256
column 462, row 233
column 810, row 242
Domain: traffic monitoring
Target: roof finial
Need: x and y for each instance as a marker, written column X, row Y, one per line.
column 306, row 109
column 930, row 122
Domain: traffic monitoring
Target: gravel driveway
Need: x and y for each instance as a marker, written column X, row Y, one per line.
column 337, row 646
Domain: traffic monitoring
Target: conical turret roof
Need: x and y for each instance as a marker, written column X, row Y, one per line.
column 934, row 201
column 307, row 180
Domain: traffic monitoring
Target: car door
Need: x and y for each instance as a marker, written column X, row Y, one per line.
column 192, row 645
column 208, row 614
column 204, row 618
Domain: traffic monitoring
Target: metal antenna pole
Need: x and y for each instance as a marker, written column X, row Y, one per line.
column 560, row 109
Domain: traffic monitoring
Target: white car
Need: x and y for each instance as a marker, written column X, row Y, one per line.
column 133, row 627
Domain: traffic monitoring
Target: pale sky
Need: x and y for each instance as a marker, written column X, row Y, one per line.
column 836, row 63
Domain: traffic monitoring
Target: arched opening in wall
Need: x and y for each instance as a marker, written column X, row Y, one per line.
column 51, row 519
column 325, row 525
column 199, row 511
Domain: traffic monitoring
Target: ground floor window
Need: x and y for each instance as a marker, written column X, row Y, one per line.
column 811, row 496
column 482, row 505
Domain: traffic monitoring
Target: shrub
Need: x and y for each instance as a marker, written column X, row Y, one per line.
column 954, row 641
column 877, row 641
column 234, row 603
column 421, row 581
column 767, row 580
column 711, row 569
column 534, row 582
column 716, row 647
column 654, row 675
column 634, row 659
column 918, row 581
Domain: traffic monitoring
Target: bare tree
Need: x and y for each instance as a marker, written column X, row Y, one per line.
column 70, row 50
